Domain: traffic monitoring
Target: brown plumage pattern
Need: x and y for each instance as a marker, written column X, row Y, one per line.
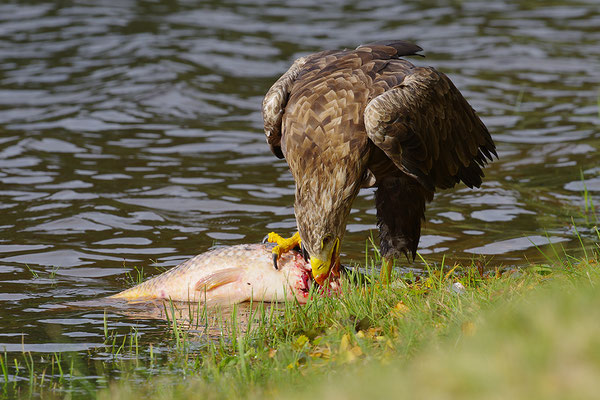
column 353, row 118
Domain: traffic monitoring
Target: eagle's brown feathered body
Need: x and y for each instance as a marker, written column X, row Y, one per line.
column 348, row 119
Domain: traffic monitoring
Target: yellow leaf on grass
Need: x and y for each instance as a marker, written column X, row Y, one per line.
column 357, row 351
column 350, row 355
column 374, row 332
column 348, row 351
column 345, row 342
column 400, row 310
column 321, row 352
column 301, row 341
column 371, row 333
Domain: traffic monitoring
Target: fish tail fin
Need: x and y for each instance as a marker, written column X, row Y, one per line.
column 144, row 290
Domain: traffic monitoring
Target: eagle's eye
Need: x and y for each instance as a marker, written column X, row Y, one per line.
column 325, row 241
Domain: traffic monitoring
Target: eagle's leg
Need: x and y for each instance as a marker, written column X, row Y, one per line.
column 400, row 202
column 283, row 244
column 385, row 274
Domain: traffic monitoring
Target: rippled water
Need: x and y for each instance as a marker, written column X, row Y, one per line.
column 131, row 135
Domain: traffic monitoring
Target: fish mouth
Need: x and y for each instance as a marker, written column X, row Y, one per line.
column 305, row 281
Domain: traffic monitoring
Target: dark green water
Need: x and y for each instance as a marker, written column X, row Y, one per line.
column 131, row 135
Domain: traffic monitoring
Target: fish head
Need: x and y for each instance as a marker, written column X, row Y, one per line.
column 298, row 273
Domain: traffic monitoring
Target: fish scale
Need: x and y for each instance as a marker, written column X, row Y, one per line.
column 231, row 274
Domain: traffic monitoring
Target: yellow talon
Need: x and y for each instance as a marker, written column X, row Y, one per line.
column 283, row 245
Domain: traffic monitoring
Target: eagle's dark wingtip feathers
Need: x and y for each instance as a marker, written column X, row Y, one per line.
column 402, row 47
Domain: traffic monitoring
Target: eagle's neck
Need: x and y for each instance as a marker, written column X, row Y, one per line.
column 324, row 199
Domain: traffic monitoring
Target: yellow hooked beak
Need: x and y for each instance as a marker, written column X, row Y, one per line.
column 322, row 268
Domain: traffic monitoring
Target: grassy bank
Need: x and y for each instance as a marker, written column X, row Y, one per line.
column 453, row 332
column 527, row 334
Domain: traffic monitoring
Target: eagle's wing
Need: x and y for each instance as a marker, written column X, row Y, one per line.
column 274, row 104
column 430, row 132
column 276, row 99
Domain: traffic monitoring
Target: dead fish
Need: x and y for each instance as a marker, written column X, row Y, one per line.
column 230, row 275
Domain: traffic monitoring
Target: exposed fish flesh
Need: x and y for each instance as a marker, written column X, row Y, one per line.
column 230, row 275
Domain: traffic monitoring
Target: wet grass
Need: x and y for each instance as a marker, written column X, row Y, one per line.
column 135, row 278
column 454, row 330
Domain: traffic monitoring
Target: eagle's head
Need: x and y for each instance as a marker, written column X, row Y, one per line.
column 323, row 202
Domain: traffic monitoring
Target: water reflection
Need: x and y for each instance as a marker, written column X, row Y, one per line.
column 131, row 135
